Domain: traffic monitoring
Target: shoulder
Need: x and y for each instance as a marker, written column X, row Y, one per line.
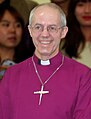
column 77, row 72
column 75, row 66
column 20, row 67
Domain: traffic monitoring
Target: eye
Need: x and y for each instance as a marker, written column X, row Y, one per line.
column 5, row 24
column 80, row 4
column 18, row 24
column 52, row 28
column 38, row 27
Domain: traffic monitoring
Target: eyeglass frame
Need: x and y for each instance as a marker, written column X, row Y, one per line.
column 50, row 28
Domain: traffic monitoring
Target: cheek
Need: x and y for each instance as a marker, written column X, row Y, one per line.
column 78, row 12
column 3, row 34
column 19, row 33
column 35, row 37
column 57, row 37
column 56, row 42
column 78, row 16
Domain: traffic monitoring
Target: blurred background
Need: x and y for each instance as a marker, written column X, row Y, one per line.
column 41, row 1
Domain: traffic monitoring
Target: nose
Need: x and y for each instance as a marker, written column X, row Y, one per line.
column 12, row 28
column 45, row 32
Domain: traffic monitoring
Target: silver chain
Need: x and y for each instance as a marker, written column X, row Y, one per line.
column 36, row 70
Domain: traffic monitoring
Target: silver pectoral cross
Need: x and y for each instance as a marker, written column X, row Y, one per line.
column 41, row 93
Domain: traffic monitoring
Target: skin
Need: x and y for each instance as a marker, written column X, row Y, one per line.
column 10, row 35
column 10, row 31
column 47, row 44
column 83, row 15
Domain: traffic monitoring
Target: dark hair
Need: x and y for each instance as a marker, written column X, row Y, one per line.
column 74, row 37
column 13, row 12
column 21, row 52
column 4, row 4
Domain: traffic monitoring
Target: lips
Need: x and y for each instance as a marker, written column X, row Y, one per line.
column 12, row 37
column 87, row 17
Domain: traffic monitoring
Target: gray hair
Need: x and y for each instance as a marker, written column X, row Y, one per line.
column 52, row 5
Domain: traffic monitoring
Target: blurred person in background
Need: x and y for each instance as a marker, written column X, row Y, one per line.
column 77, row 43
column 27, row 37
column 24, row 7
column 12, row 45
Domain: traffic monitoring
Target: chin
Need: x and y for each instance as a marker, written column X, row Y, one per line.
column 45, row 53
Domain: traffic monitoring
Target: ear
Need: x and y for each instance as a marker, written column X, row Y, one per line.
column 29, row 29
column 64, row 32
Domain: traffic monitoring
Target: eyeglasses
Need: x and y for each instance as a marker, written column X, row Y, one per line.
column 38, row 28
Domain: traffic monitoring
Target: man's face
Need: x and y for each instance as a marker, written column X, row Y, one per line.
column 46, row 31
column 63, row 4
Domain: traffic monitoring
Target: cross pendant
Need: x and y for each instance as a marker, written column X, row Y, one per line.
column 41, row 93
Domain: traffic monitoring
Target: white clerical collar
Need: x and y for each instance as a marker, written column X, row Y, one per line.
column 47, row 62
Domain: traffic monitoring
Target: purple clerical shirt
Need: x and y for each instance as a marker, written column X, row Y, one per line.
column 69, row 89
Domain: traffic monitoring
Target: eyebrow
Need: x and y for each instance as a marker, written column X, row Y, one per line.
column 4, row 21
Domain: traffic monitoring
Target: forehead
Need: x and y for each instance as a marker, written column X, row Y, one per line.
column 47, row 14
column 47, row 9
column 8, row 16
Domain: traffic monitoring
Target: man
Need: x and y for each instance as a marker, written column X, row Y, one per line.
column 63, row 4
column 47, row 85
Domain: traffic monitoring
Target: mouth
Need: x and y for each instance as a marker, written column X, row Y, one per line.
column 87, row 17
column 45, row 42
column 12, row 38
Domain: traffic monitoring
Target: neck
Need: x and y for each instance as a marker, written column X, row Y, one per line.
column 6, row 54
column 87, row 33
column 45, row 57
